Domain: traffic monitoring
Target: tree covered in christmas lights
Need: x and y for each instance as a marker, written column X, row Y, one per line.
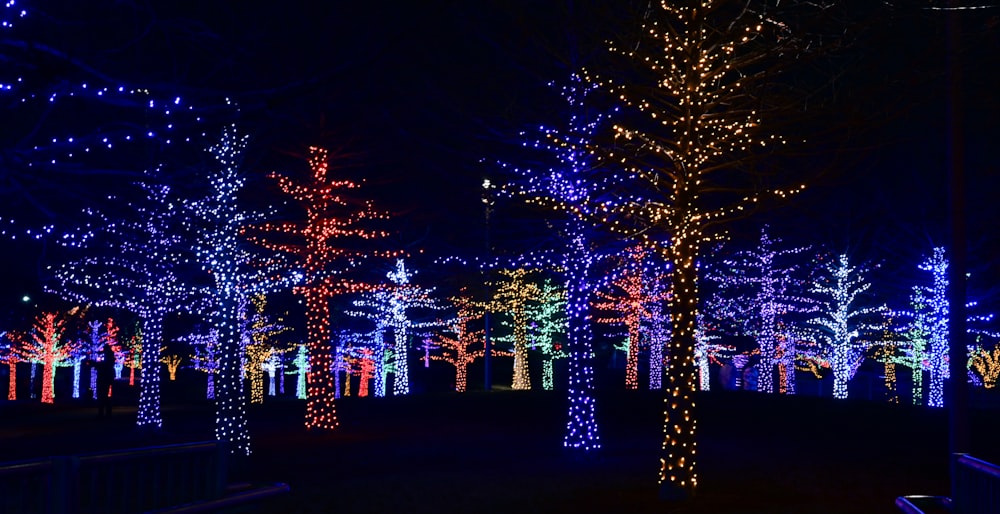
column 572, row 191
column 390, row 306
column 146, row 274
column 327, row 247
column 547, row 330
column 9, row 357
column 758, row 291
column 928, row 320
column 511, row 295
column 301, row 370
column 847, row 324
column 205, row 357
column 630, row 298
column 258, row 333
column 460, row 345
column 45, row 344
column 699, row 116
column 987, row 364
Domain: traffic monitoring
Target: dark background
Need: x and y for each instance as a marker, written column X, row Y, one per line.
column 425, row 95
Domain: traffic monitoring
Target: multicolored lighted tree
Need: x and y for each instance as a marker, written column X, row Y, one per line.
column 575, row 189
column 929, row 320
column 143, row 274
column 632, row 294
column 987, row 364
column 47, row 346
column 328, row 252
column 845, row 326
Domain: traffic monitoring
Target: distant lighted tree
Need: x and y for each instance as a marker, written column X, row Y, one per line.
column 758, row 288
column 326, row 244
column 847, row 324
column 133, row 349
column 173, row 362
column 631, row 295
column 459, row 345
column 8, row 356
column 928, row 318
column 511, row 295
column 258, row 339
column 45, row 344
column 205, row 357
column 547, row 330
column 391, row 306
column 301, row 370
column 987, row 364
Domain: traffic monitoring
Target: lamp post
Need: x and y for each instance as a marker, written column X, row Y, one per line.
column 488, row 202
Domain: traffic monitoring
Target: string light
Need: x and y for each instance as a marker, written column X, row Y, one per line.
column 331, row 219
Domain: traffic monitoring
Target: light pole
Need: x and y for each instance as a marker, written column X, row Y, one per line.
column 488, row 202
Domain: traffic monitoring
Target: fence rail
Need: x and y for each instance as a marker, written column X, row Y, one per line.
column 976, row 490
column 180, row 477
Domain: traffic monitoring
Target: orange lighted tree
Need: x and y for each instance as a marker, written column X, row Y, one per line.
column 457, row 350
column 512, row 296
column 328, row 246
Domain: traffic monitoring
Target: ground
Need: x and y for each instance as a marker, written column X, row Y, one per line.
column 501, row 452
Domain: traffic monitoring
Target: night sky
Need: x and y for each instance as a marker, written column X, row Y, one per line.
column 424, row 95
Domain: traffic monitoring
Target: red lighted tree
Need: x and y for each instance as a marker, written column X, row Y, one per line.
column 8, row 356
column 458, row 350
column 45, row 345
column 328, row 245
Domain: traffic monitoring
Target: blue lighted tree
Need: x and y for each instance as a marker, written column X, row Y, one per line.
column 927, row 327
column 144, row 275
column 576, row 188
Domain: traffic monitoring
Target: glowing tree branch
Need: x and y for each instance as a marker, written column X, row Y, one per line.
column 142, row 275
column 842, row 320
column 326, row 246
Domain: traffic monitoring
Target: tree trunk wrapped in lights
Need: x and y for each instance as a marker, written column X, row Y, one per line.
column 698, row 113
column 46, row 345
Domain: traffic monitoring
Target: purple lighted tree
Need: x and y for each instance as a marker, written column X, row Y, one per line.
column 758, row 290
